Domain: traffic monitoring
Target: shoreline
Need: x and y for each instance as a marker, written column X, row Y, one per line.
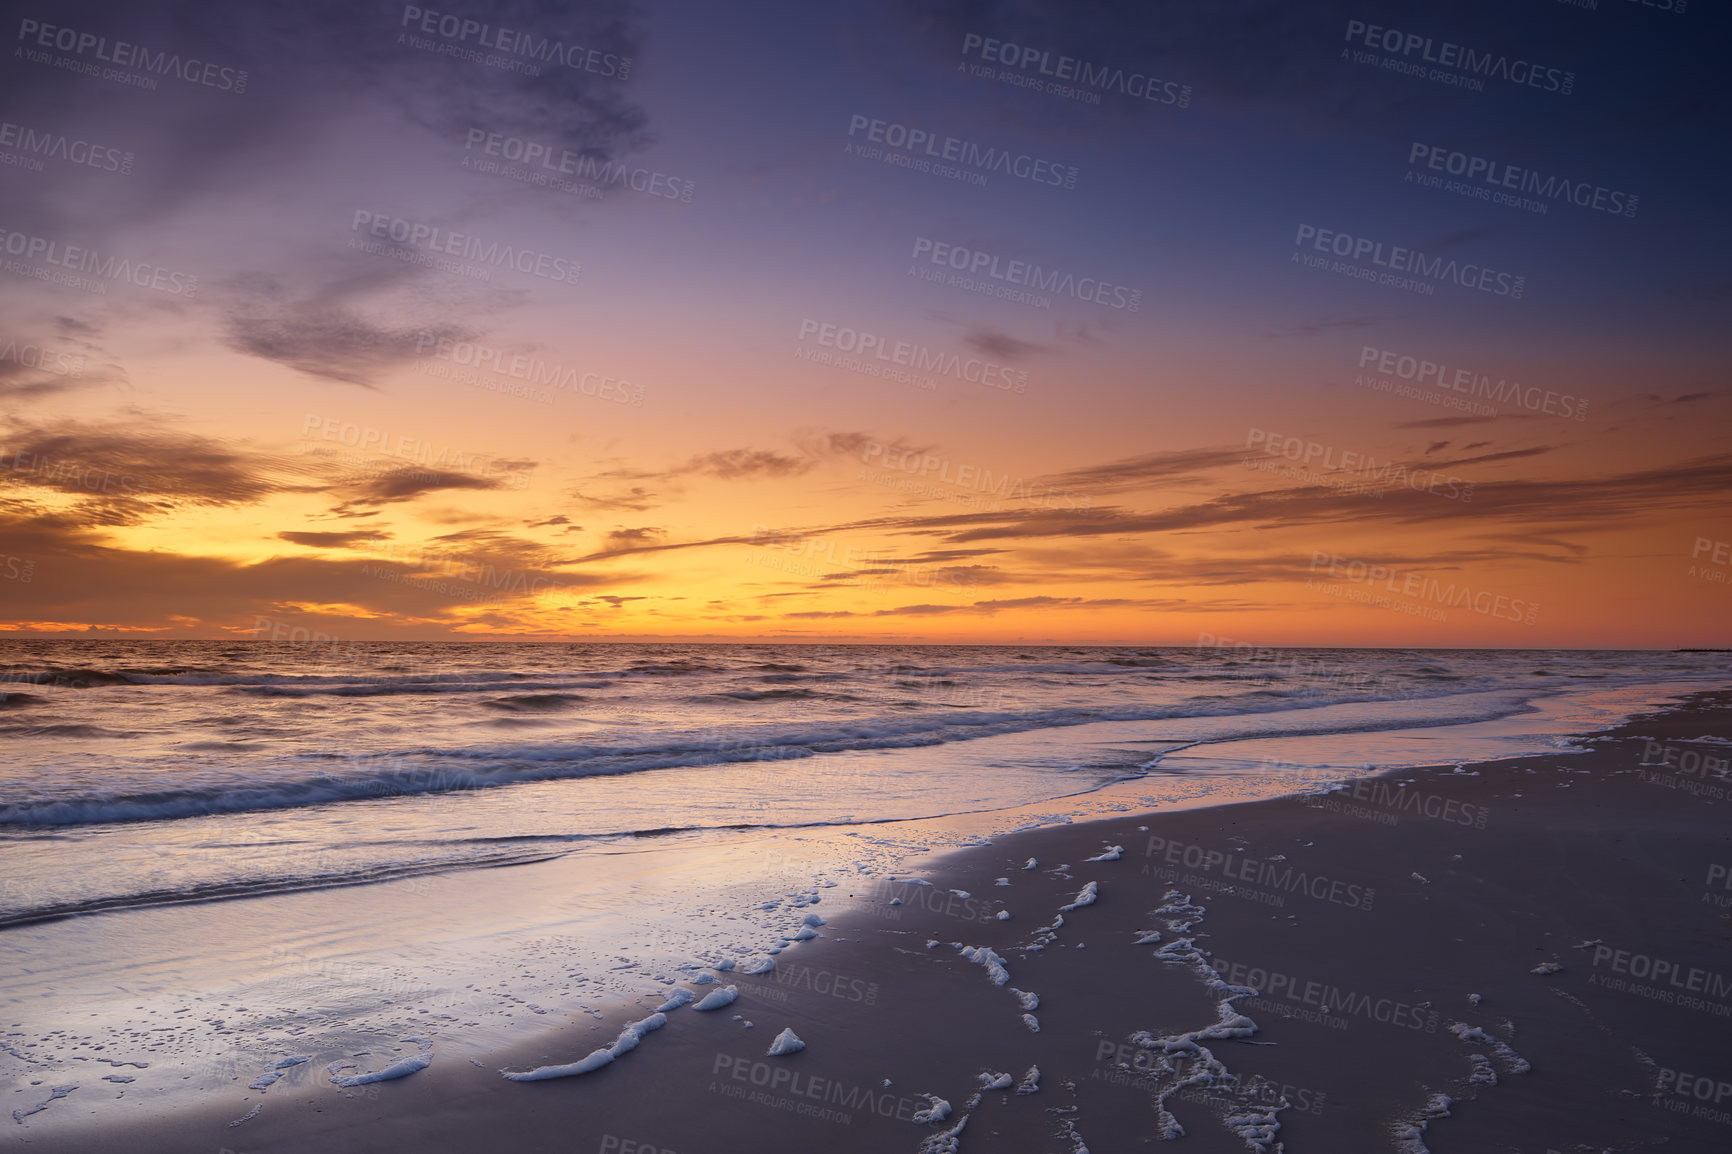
column 1398, row 922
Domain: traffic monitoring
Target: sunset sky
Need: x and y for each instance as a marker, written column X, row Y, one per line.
column 313, row 349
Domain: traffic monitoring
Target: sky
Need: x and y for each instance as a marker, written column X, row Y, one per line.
column 1332, row 324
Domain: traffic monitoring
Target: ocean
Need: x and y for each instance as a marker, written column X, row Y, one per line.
column 452, row 840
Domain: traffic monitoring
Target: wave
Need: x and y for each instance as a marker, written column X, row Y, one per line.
column 485, row 852
column 221, row 747
column 535, row 702
column 410, row 687
column 310, row 779
column 259, row 887
column 386, row 675
column 72, row 678
column 777, row 695
column 85, row 677
column 674, row 668
column 375, row 679
column 67, row 730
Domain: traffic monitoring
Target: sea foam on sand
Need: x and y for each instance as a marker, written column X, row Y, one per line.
column 626, row 1042
column 401, row 1068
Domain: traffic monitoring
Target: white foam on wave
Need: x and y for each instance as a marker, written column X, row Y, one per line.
column 297, row 780
column 699, row 944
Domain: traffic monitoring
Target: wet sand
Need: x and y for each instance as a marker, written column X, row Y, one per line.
column 1545, row 941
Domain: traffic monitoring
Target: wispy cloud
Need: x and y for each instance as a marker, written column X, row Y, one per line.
column 315, row 540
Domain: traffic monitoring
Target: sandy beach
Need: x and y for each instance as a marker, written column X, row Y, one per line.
column 1524, row 955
